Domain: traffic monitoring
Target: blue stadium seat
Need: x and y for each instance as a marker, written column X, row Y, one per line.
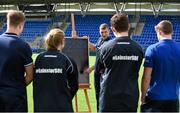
column 32, row 29
column 89, row 27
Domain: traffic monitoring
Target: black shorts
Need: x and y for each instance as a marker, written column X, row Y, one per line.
column 160, row 105
column 9, row 103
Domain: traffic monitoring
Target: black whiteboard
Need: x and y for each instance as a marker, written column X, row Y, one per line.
column 77, row 48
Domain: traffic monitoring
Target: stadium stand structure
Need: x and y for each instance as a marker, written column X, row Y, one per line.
column 148, row 35
column 33, row 30
column 1, row 22
column 89, row 26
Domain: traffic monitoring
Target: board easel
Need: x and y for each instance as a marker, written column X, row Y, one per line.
column 83, row 86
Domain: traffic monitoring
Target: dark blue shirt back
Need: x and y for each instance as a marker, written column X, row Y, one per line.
column 14, row 56
column 121, row 59
column 55, row 82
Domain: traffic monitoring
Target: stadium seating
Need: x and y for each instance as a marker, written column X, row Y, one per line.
column 89, row 26
column 32, row 29
column 148, row 35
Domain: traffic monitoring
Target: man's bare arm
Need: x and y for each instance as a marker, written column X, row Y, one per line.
column 89, row 70
column 92, row 46
column 145, row 83
column 29, row 74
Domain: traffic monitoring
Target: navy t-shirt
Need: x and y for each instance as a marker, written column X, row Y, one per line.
column 121, row 58
column 55, row 82
column 97, row 73
column 164, row 59
column 15, row 55
column 100, row 42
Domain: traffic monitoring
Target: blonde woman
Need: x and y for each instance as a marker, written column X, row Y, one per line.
column 56, row 77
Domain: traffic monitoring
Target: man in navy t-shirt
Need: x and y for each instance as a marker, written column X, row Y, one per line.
column 121, row 59
column 104, row 32
column 15, row 60
column 160, row 83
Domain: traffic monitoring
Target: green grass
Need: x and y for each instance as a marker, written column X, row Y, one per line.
column 81, row 97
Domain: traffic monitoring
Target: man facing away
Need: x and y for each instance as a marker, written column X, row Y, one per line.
column 121, row 58
column 160, row 83
column 15, row 60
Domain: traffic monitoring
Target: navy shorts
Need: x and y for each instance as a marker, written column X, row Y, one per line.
column 9, row 103
column 160, row 105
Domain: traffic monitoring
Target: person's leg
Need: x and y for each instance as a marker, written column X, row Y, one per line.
column 97, row 88
column 21, row 105
column 2, row 107
column 15, row 103
column 170, row 106
column 150, row 106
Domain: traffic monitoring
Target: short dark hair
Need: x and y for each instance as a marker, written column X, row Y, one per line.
column 165, row 26
column 103, row 26
column 120, row 22
column 15, row 17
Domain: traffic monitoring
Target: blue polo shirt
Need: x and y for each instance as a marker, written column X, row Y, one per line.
column 15, row 55
column 164, row 59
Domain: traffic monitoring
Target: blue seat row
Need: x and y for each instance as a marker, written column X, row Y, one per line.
column 32, row 29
